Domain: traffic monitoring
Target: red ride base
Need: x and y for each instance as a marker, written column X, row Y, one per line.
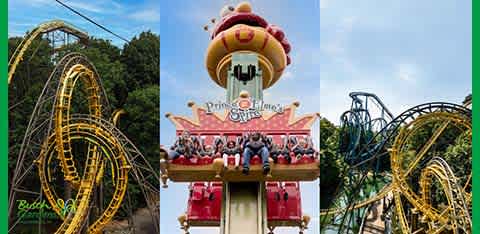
column 283, row 203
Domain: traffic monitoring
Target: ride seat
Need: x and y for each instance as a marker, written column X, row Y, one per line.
column 205, row 160
column 282, row 160
column 292, row 202
column 273, row 200
column 198, row 191
column 182, row 160
column 231, row 160
column 216, row 201
column 255, row 160
column 305, row 159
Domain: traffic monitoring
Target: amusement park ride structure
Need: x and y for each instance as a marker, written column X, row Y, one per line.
column 78, row 157
column 246, row 56
column 400, row 164
column 58, row 33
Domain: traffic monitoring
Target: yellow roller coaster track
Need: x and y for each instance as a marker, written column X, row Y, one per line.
column 455, row 216
column 103, row 147
column 108, row 159
column 45, row 27
column 383, row 192
column 116, row 116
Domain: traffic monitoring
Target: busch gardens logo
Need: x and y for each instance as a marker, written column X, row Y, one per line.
column 40, row 211
column 244, row 109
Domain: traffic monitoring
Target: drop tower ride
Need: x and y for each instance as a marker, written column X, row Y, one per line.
column 246, row 56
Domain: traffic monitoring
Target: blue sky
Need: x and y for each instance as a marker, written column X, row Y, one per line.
column 184, row 77
column 408, row 52
column 124, row 17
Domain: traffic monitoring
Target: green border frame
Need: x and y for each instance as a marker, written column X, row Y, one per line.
column 476, row 123
column 4, row 117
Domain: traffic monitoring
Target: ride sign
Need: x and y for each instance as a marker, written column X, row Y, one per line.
column 33, row 212
column 244, row 109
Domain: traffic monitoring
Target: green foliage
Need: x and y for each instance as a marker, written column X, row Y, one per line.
column 141, row 122
column 328, row 135
column 141, row 58
column 330, row 164
column 26, row 85
column 460, row 154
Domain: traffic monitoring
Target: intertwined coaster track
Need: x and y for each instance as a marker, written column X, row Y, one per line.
column 80, row 156
column 406, row 173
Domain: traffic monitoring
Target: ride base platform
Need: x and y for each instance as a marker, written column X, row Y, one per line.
column 304, row 168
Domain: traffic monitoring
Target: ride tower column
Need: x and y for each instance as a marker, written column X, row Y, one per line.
column 243, row 203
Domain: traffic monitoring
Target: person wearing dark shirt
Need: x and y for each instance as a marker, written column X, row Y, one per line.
column 302, row 148
column 208, row 151
column 275, row 152
column 255, row 146
column 182, row 146
column 218, row 148
column 278, row 150
column 196, row 148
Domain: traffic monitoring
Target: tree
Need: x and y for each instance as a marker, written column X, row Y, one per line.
column 142, row 121
column 329, row 162
column 141, row 58
column 26, row 85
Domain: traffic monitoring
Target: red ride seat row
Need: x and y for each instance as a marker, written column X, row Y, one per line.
column 182, row 160
column 256, row 160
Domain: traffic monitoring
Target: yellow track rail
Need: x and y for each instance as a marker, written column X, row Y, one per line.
column 116, row 116
column 455, row 216
column 103, row 147
column 45, row 27
column 383, row 192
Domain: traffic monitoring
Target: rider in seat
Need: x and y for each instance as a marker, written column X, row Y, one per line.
column 255, row 145
column 231, row 149
column 183, row 146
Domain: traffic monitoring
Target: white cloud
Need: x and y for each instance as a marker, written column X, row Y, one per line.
column 406, row 71
column 201, row 14
column 99, row 6
column 334, row 47
column 287, row 75
column 36, row 2
column 324, row 4
column 15, row 34
column 347, row 23
column 85, row 6
column 208, row 91
column 146, row 15
column 117, row 5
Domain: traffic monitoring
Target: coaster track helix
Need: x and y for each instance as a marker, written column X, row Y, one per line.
column 100, row 171
column 403, row 161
